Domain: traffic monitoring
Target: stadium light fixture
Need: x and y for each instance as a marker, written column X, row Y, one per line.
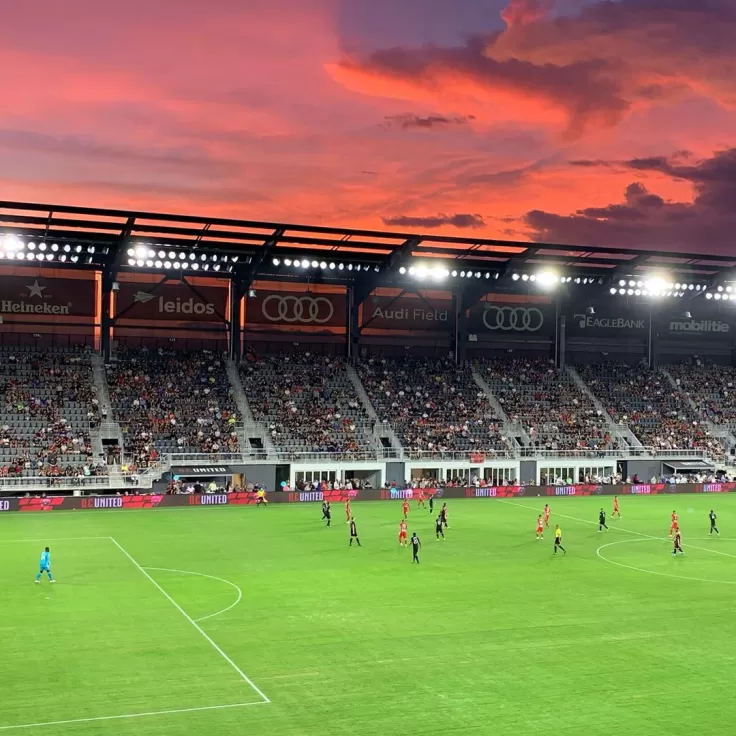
column 332, row 265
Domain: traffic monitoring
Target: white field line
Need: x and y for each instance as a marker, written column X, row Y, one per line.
column 211, row 577
column 621, row 529
column 209, row 639
column 130, row 715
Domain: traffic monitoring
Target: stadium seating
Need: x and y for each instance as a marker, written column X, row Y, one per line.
column 47, row 406
column 308, row 404
column 172, row 402
column 556, row 414
column 711, row 387
column 435, row 405
column 645, row 400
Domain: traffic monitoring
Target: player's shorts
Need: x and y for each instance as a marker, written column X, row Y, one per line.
column 558, row 541
column 674, row 525
column 540, row 529
column 44, row 568
column 402, row 535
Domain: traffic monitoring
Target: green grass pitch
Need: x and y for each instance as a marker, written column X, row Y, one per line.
column 491, row 634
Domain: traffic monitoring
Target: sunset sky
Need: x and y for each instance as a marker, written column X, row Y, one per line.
column 609, row 123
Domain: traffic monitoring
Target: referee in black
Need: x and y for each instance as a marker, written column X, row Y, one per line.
column 326, row 513
column 713, row 527
column 354, row 533
column 416, row 545
column 602, row 520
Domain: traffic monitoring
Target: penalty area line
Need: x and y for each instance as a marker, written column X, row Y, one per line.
column 125, row 716
column 207, row 637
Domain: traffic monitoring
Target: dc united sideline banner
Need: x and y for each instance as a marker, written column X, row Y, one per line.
column 154, row 501
column 37, row 296
column 296, row 310
column 171, row 300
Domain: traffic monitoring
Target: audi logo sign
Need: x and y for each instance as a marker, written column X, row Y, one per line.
column 513, row 319
column 297, row 309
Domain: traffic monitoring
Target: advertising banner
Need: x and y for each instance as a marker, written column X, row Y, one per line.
column 171, row 300
column 153, row 501
column 610, row 320
column 532, row 320
column 296, row 310
column 703, row 324
column 410, row 313
column 26, row 297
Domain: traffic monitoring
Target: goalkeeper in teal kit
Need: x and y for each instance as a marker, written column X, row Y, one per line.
column 45, row 566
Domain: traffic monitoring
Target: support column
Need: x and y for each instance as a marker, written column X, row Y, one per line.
column 352, row 327
column 106, row 322
column 237, row 294
column 460, row 333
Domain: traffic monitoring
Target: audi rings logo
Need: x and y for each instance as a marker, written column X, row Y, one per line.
column 513, row 319
column 303, row 309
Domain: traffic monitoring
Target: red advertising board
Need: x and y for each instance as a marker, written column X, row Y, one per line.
column 29, row 297
column 296, row 310
column 408, row 312
column 171, row 301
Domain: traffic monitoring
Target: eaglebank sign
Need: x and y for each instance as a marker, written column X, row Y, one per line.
column 608, row 323
column 27, row 305
column 701, row 326
column 175, row 306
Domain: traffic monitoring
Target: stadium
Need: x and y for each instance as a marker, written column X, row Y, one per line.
column 244, row 388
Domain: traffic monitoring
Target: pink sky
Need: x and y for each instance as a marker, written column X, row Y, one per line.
column 607, row 123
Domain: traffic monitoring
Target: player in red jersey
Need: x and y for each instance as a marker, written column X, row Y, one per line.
column 547, row 512
column 348, row 511
column 405, row 508
column 540, row 527
column 674, row 526
column 616, row 511
column 402, row 533
column 420, row 500
column 678, row 544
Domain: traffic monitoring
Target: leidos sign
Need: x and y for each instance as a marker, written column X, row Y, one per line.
column 46, row 297
column 171, row 301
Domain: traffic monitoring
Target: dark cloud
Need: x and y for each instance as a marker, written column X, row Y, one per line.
column 644, row 218
column 595, row 66
column 408, row 121
column 461, row 221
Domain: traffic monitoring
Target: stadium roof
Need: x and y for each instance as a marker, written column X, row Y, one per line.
column 110, row 236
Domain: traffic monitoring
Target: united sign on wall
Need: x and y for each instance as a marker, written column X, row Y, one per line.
column 171, row 301
column 37, row 298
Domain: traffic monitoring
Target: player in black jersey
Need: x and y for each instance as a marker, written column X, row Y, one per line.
column 713, row 527
column 438, row 528
column 677, row 544
column 443, row 514
column 326, row 512
column 602, row 520
column 416, row 545
column 354, row 533
column 431, row 503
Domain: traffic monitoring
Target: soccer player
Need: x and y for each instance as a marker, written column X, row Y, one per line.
column 354, row 533
column 416, row 545
column 443, row 514
column 547, row 512
column 431, row 503
column 677, row 544
column 348, row 511
column 540, row 527
column 45, row 566
column 674, row 525
column 438, row 528
column 713, row 527
column 327, row 512
column 402, row 533
column 405, row 508
column 261, row 499
column 420, row 500
column 616, row 511
column 558, row 539
column 602, row 521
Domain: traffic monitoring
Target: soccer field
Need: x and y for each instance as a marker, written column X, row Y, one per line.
column 263, row 622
